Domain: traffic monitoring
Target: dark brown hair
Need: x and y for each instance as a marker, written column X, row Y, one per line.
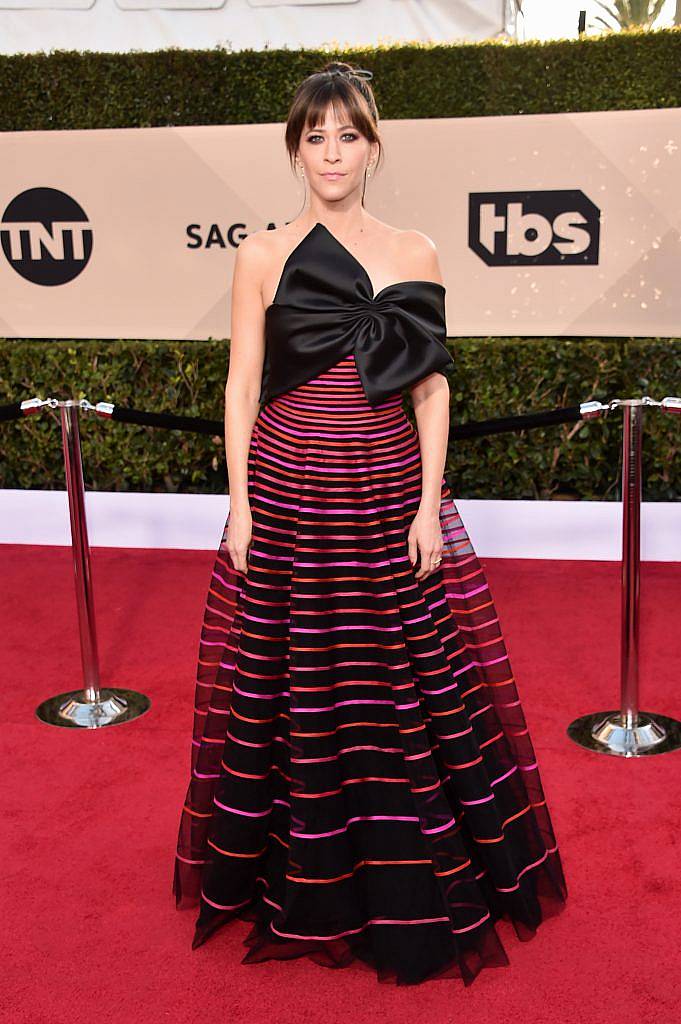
column 336, row 84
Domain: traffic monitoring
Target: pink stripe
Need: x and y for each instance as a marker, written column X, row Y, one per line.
column 337, row 629
column 350, row 664
column 346, row 469
column 260, row 696
column 251, row 814
column 347, row 750
column 529, row 866
column 338, row 831
column 224, row 906
column 345, row 703
column 378, row 920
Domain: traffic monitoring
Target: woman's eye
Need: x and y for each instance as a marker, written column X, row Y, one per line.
column 346, row 135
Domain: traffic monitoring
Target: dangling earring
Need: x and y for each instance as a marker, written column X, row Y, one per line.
column 303, row 181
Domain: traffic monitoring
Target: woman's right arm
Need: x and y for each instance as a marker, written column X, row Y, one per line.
column 242, row 389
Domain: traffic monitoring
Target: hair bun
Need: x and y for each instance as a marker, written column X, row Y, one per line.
column 337, row 67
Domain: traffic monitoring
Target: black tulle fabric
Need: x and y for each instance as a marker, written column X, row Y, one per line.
column 363, row 788
column 325, row 308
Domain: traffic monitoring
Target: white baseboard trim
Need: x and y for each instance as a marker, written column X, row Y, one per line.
column 498, row 529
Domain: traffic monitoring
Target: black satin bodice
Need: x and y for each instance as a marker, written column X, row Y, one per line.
column 324, row 309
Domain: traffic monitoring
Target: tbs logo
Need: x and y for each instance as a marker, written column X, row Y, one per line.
column 46, row 236
column 523, row 228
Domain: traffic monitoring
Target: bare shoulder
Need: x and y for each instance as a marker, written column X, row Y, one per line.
column 262, row 250
column 418, row 245
column 256, row 257
column 272, row 240
column 256, row 248
column 418, row 254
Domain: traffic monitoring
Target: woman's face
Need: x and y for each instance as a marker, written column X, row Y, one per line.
column 334, row 156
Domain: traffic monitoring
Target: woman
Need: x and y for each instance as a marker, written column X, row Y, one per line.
column 364, row 788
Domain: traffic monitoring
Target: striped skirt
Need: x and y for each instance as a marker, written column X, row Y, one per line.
column 363, row 785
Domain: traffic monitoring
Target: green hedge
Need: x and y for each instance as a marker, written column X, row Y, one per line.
column 67, row 89
column 494, row 376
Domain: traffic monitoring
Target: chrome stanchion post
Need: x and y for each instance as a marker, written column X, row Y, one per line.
column 81, row 550
column 632, row 495
column 629, row 732
column 90, row 708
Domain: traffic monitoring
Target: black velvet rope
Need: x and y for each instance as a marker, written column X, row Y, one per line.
column 547, row 418
column 10, row 412
column 168, row 421
column 200, row 425
column 504, row 424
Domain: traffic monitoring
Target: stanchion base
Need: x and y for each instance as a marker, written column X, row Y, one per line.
column 72, row 711
column 607, row 733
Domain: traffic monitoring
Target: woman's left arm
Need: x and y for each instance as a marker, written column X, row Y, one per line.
column 431, row 408
column 430, row 398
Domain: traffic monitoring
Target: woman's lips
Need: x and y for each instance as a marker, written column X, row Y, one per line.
column 334, row 175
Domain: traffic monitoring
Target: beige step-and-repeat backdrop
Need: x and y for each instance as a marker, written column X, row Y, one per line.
column 562, row 224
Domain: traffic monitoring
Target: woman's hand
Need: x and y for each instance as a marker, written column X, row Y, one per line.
column 238, row 539
column 425, row 536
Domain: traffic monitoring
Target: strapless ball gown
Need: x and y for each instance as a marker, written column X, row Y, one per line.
column 363, row 785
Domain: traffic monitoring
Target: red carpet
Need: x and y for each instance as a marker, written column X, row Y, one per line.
column 90, row 818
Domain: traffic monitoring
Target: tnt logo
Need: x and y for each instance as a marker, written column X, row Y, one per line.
column 46, row 236
column 545, row 228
